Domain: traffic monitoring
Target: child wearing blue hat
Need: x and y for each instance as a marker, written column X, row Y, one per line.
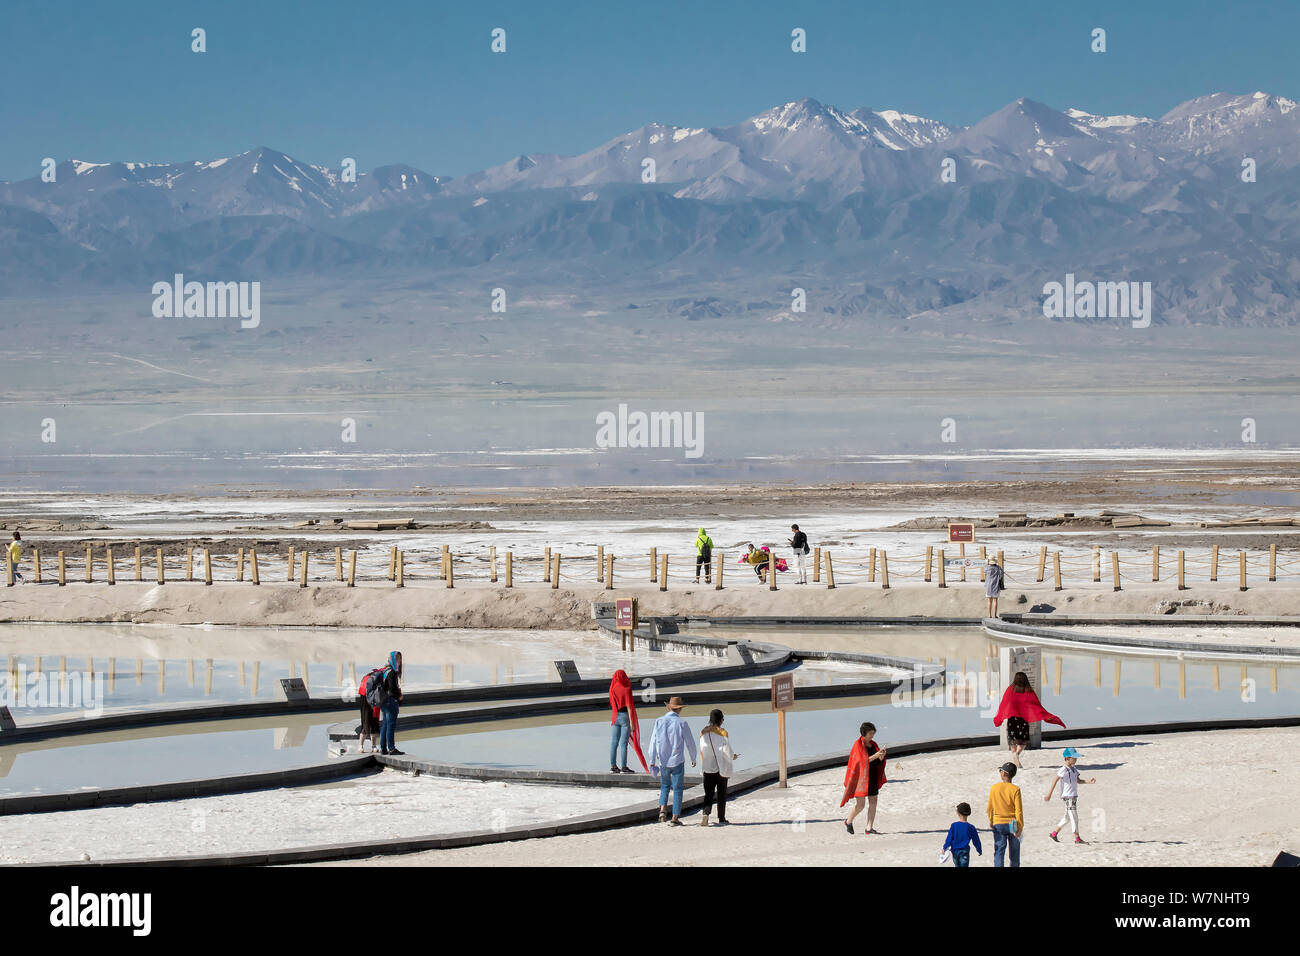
column 1070, row 780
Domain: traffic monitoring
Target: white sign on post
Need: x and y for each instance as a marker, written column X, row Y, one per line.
column 1029, row 660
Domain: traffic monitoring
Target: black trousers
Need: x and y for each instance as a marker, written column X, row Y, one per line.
column 715, row 782
column 707, row 563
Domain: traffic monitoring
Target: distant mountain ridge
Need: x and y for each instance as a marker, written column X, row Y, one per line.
column 856, row 196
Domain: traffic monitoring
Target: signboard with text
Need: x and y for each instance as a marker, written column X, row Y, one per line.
column 961, row 532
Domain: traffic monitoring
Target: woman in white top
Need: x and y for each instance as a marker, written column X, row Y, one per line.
column 716, row 756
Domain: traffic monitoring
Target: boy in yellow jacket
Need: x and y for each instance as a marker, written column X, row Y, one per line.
column 1006, row 816
column 16, row 554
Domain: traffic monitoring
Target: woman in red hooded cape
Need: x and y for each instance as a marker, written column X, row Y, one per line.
column 623, row 725
column 1021, row 707
column 864, row 776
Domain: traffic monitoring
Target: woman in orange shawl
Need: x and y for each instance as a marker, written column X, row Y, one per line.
column 1019, row 708
column 864, row 777
column 624, row 725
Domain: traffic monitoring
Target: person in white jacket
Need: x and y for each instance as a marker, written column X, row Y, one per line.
column 716, row 758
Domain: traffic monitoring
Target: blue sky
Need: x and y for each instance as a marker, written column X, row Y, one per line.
column 415, row 82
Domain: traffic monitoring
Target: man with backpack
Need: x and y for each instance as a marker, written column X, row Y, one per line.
column 799, row 543
column 703, row 556
column 385, row 692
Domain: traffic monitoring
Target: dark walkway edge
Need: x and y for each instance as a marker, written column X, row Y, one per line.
column 181, row 789
column 647, row 812
column 1009, row 630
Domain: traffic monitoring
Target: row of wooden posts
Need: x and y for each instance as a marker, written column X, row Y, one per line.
column 934, row 558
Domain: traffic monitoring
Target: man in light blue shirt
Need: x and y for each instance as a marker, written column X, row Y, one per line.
column 669, row 743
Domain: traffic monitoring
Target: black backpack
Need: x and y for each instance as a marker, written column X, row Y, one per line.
column 376, row 689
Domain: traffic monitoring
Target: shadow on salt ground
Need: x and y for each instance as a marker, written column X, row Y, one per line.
column 781, row 823
column 1127, row 743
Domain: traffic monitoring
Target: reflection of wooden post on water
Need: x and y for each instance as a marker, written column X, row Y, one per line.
column 1182, row 680
column 207, row 680
column 1155, row 672
column 1096, row 672
column 1115, row 692
column 1029, row 660
column 1214, row 672
column 162, row 677
column 189, row 671
column 1056, row 692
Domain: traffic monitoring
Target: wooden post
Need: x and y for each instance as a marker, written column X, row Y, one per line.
column 1272, row 564
column 943, row 574
column 162, row 575
column 252, row 565
column 984, row 560
column 1042, row 562
column 609, row 572
column 546, row 569
column 1182, row 586
column 9, row 568
column 1214, row 562
column 1241, row 560
column 36, row 565
column 884, row 570
column 1155, row 563
column 817, row 565
column 392, row 563
column 600, row 563
column 871, row 569
column 90, row 565
column 654, row 562
column 139, row 573
column 305, row 556
column 108, row 556
column 401, row 567
column 830, row 570
column 492, row 563
column 189, row 564
column 555, row 576
column 292, row 564
column 207, row 565
column 961, row 553
column 1096, row 563
column 1056, row 570
column 352, row 569
column 771, row 571
column 780, row 747
column 338, row 563
column 451, row 572
column 663, row 572
column 929, row 561
column 717, row 585
column 1002, row 562
column 1114, row 568
column 239, row 564
column 510, row 577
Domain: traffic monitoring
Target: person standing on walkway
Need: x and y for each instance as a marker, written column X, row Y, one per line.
column 16, row 554
column 624, row 725
column 704, row 556
column 864, row 777
column 716, row 758
column 1006, row 816
column 670, row 741
column 799, row 542
column 1019, row 708
column 994, row 584
column 391, row 692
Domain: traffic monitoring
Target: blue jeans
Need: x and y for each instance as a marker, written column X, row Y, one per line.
column 961, row 857
column 619, row 732
column 673, row 776
column 1003, row 840
column 388, row 725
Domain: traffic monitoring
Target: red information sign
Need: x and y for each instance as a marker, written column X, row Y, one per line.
column 961, row 533
column 625, row 614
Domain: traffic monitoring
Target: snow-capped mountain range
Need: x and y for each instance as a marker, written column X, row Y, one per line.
column 804, row 183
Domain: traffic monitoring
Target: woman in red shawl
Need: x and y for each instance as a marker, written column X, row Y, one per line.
column 864, row 777
column 1020, row 707
column 624, row 725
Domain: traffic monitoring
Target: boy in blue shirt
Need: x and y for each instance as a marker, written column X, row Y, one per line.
column 960, row 836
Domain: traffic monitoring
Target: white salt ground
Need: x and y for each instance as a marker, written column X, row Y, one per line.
column 1214, row 799
column 376, row 807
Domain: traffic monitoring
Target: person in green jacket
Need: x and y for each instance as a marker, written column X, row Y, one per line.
column 704, row 556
